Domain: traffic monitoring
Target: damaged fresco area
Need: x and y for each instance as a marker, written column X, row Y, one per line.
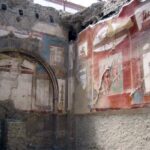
column 24, row 80
column 118, row 50
column 22, row 84
column 37, row 29
column 110, row 80
column 33, row 58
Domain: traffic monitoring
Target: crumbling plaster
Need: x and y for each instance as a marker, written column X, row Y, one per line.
column 93, row 14
column 111, row 130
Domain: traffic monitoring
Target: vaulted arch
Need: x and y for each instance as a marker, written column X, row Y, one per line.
column 11, row 45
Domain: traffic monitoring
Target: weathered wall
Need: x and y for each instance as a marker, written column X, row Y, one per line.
column 38, row 31
column 27, row 16
column 112, row 62
column 116, row 68
column 91, row 15
column 32, row 39
column 114, row 130
column 33, row 64
column 35, row 131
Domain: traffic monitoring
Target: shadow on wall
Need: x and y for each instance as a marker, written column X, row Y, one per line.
column 86, row 134
column 21, row 130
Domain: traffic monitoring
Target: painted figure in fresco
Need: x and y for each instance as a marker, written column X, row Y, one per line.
column 110, row 81
column 137, row 96
column 101, row 99
column 138, row 93
column 82, row 52
column 106, row 82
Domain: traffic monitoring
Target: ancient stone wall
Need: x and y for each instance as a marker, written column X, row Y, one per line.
column 30, row 17
column 43, row 85
column 91, row 15
column 36, row 31
column 33, row 77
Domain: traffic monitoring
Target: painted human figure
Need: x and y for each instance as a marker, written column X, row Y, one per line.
column 138, row 94
column 106, row 82
column 101, row 100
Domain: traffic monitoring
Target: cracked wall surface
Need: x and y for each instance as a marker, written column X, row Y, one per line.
column 112, row 62
column 91, row 15
column 33, row 77
column 44, row 36
column 36, row 57
column 112, row 107
column 20, row 84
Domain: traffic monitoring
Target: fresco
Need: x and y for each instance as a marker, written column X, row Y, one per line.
column 4, row 31
column 110, row 77
column 118, row 50
column 21, row 84
column 61, row 101
column 84, row 75
column 111, row 34
column 22, row 73
column 146, row 69
column 83, row 50
column 142, row 16
column 56, row 56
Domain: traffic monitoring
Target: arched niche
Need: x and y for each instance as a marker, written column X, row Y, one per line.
column 11, row 58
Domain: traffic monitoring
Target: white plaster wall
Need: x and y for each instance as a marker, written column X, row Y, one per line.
column 22, row 93
column 21, row 89
column 6, row 84
column 43, row 92
column 114, row 130
column 18, row 89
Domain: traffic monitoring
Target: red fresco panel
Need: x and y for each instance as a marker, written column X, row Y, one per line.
column 120, row 58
